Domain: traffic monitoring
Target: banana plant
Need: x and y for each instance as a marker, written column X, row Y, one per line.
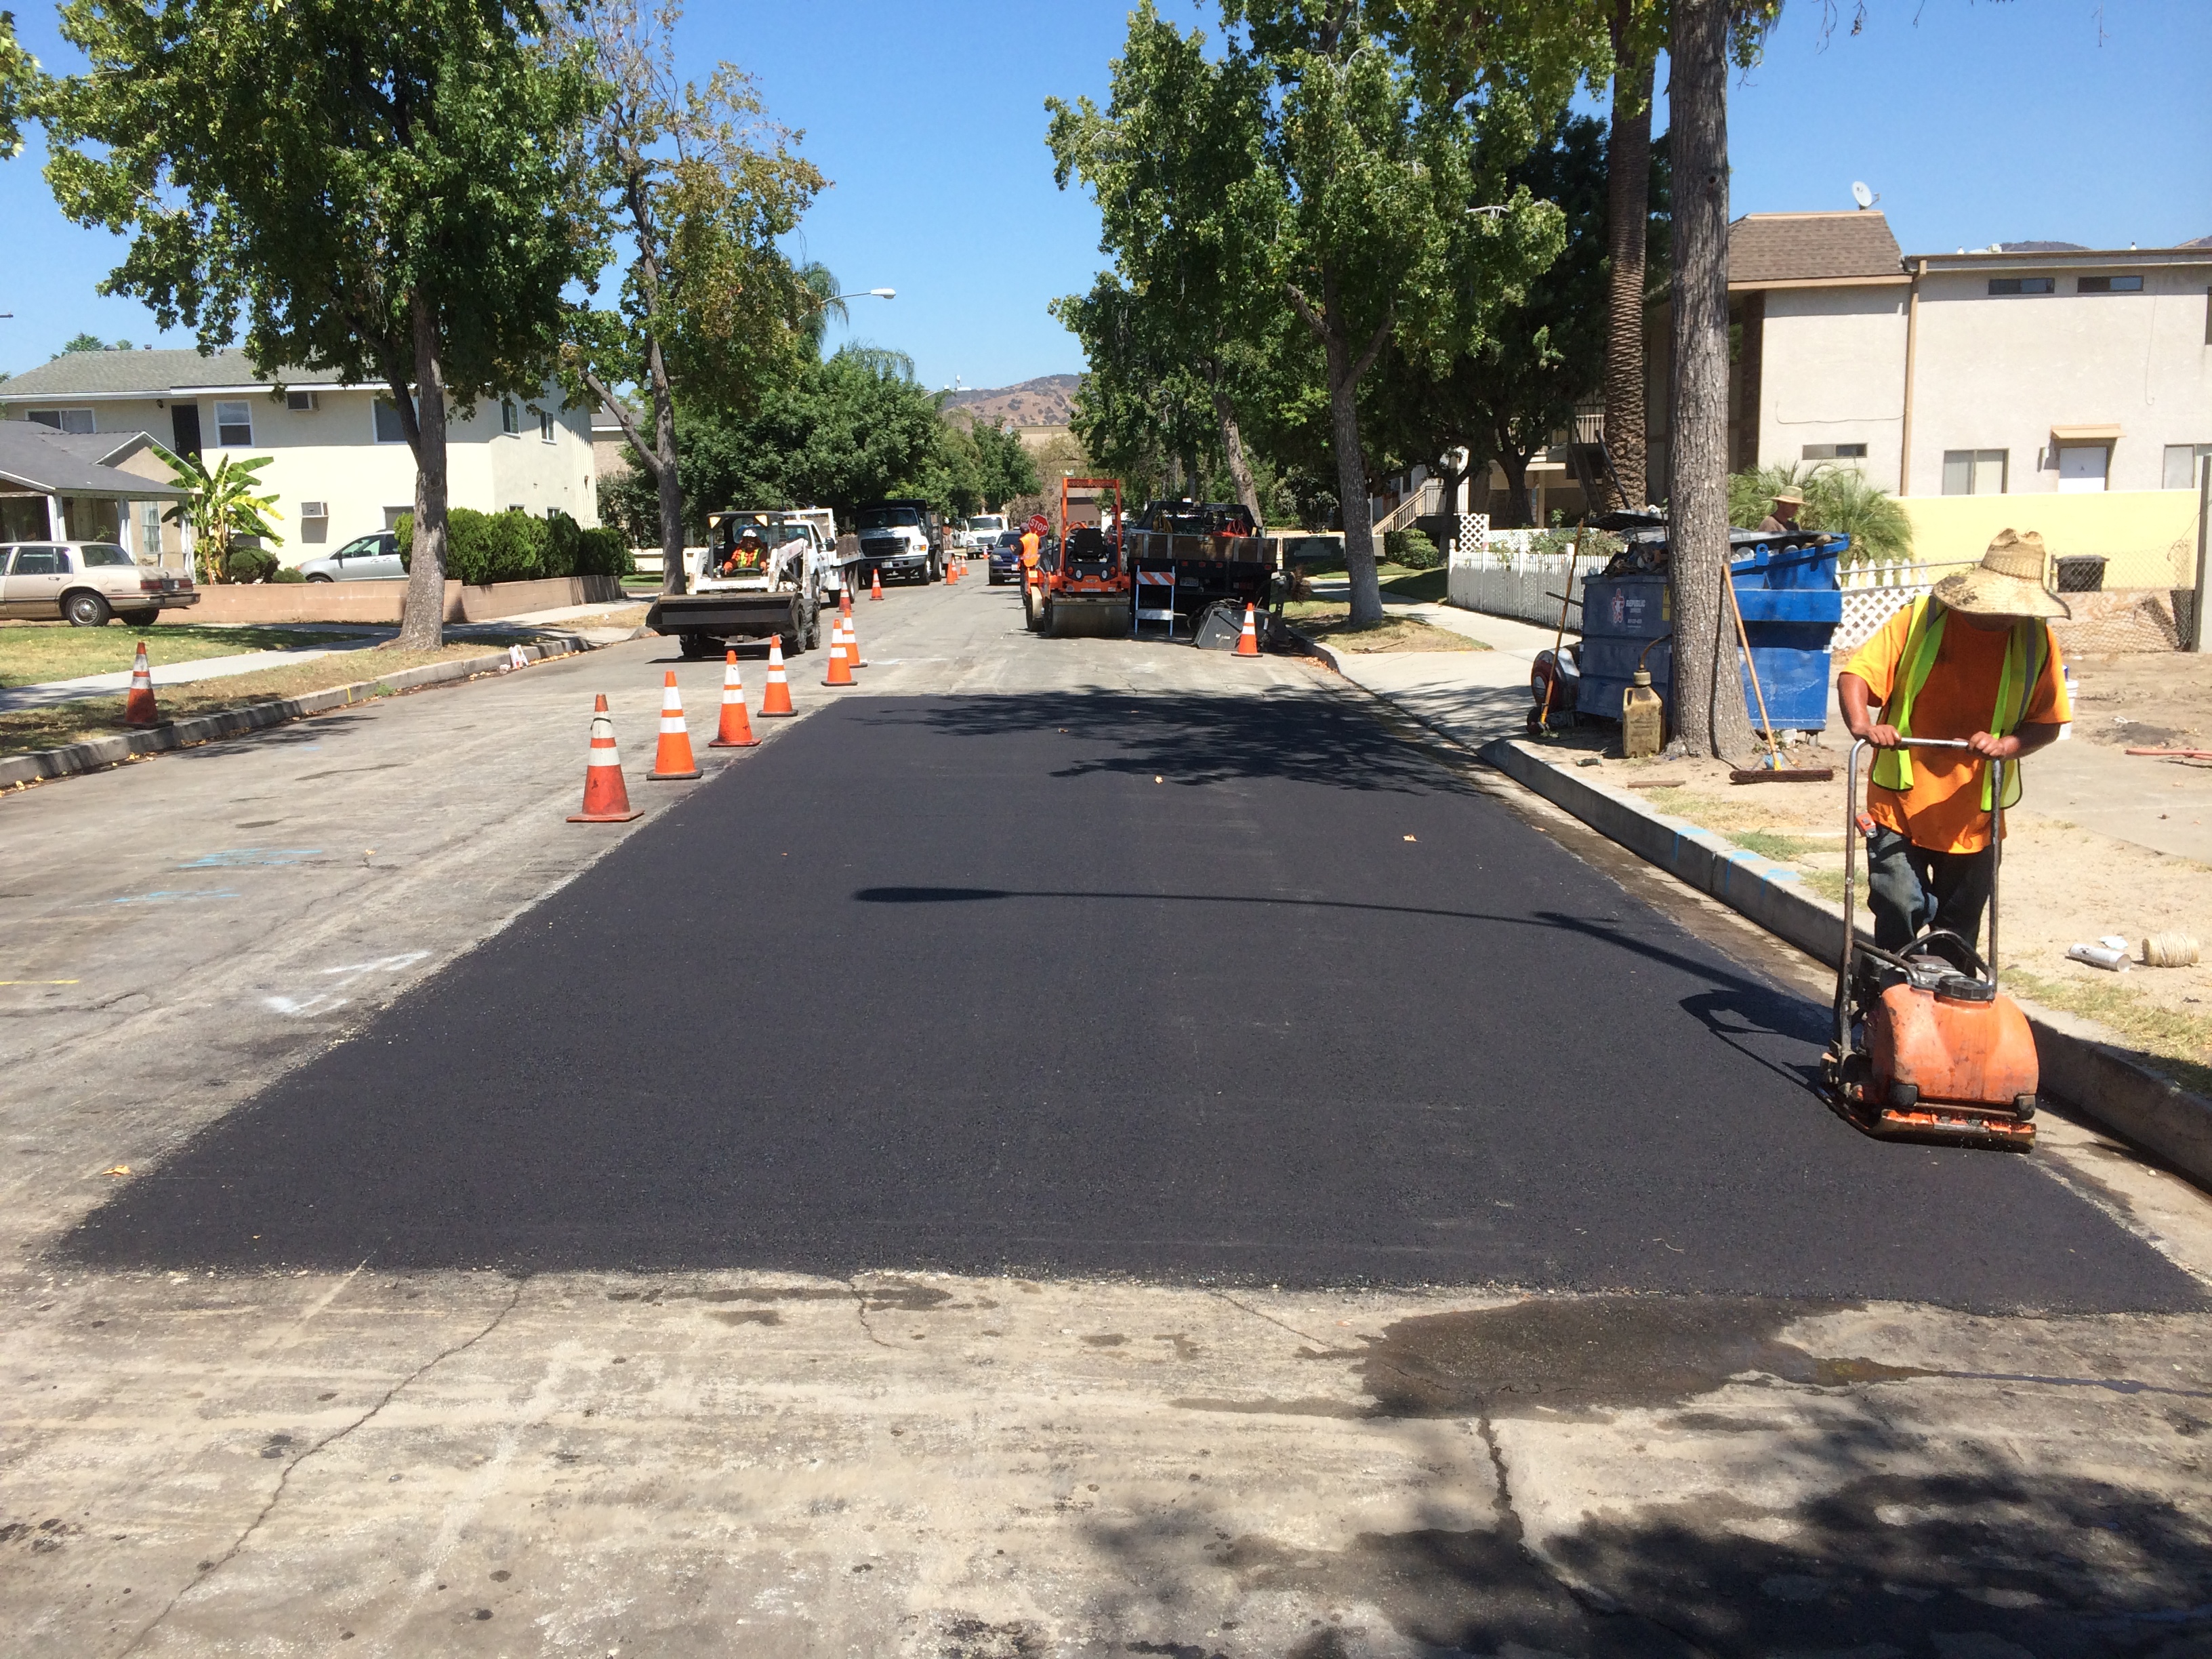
column 221, row 508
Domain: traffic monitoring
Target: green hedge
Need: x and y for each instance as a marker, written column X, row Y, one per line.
column 1411, row 547
column 259, row 564
column 519, row 547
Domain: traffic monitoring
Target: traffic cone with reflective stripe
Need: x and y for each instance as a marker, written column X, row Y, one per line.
column 139, row 709
column 671, row 761
column 605, row 799
column 854, row 659
column 737, row 729
column 1248, row 642
column 875, row 584
column 841, row 670
column 775, row 698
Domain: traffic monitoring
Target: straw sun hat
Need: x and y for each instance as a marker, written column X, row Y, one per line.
column 1789, row 497
column 2007, row 582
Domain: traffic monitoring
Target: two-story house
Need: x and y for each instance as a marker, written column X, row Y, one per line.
column 2078, row 378
column 339, row 465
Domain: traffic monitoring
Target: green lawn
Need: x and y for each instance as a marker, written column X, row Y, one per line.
column 32, row 653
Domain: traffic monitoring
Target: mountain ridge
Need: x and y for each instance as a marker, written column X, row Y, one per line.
column 1047, row 400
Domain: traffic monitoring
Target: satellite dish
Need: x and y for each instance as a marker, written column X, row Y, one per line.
column 1861, row 194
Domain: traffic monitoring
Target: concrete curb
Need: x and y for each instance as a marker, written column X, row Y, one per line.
column 2082, row 1065
column 99, row 752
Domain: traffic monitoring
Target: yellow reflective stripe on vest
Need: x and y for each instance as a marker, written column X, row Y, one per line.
column 2027, row 651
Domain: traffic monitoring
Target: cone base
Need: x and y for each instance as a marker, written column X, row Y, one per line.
column 673, row 777
column 734, row 742
column 603, row 817
column 846, row 684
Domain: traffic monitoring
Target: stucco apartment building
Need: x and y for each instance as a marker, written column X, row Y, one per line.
column 339, row 466
column 2079, row 378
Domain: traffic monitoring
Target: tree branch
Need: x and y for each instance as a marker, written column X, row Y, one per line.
column 1365, row 361
column 1306, row 314
column 599, row 389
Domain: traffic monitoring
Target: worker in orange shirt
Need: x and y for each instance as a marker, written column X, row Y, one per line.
column 1974, row 659
column 1030, row 543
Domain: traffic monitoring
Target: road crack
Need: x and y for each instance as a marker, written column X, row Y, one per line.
column 284, row 1480
column 861, row 1307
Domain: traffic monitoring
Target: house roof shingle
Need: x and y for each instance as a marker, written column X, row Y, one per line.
column 36, row 459
column 147, row 373
column 1779, row 249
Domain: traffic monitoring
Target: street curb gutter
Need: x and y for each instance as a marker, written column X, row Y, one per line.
column 99, row 752
column 2079, row 1065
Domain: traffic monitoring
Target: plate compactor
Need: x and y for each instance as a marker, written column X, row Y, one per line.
column 1927, row 1047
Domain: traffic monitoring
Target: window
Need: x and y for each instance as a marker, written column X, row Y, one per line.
column 1974, row 471
column 388, row 429
column 2109, row 285
column 100, row 554
column 2182, row 461
column 510, row 418
column 1834, row 452
column 39, row 562
column 2082, row 467
column 2023, row 285
column 150, row 531
column 392, row 515
column 63, row 420
column 545, row 428
column 234, row 425
column 300, row 403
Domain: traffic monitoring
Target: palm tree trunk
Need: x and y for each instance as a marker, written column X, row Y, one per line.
column 1627, row 190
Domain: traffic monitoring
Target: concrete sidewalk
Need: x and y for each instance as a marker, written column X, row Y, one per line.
column 1475, row 695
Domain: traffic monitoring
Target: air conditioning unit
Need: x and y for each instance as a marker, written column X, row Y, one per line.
column 302, row 402
column 314, row 509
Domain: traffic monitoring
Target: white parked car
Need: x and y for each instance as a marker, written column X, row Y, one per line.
column 981, row 534
column 85, row 583
column 371, row 558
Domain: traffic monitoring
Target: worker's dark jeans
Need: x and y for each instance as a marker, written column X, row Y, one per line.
column 1909, row 888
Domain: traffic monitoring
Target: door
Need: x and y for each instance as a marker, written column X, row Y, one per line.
column 2082, row 468
column 379, row 559
column 185, row 424
column 34, row 582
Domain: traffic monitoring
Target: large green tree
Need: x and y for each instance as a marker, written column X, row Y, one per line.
column 1176, row 162
column 377, row 189
column 695, row 185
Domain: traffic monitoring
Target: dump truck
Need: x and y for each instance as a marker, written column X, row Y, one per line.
column 901, row 539
column 762, row 571
column 1085, row 584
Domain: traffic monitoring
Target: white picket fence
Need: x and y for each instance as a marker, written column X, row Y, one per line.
column 1874, row 593
column 1493, row 571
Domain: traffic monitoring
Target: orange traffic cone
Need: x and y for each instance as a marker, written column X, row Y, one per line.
column 737, row 730
column 952, row 571
column 1248, row 642
column 841, row 670
column 845, row 601
column 671, row 761
column 875, row 584
column 139, row 709
column 775, row 700
column 605, row 800
column 854, row 659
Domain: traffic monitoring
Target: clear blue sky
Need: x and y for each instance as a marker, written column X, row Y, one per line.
column 1979, row 122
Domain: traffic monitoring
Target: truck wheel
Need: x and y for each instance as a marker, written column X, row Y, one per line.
column 807, row 627
column 694, row 647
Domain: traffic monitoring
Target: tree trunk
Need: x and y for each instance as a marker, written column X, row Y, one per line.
column 1351, row 485
column 1514, row 464
column 1708, row 695
column 1240, row 466
column 1627, row 191
column 666, row 475
column 422, row 418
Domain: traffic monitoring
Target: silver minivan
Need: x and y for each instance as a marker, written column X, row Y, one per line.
column 371, row 558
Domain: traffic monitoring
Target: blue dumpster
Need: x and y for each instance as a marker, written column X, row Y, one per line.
column 1791, row 606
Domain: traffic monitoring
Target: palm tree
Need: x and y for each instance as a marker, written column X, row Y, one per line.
column 815, row 278
column 1839, row 501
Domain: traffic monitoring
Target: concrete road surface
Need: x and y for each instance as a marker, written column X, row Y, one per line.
column 1072, row 1148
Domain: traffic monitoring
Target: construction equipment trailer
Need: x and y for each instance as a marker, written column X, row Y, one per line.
column 1188, row 557
column 762, row 571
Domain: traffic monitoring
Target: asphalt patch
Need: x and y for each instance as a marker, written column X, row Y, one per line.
column 1193, row 987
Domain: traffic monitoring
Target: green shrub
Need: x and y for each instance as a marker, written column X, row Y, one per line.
column 1411, row 547
column 288, row 573
column 251, row 564
column 519, row 547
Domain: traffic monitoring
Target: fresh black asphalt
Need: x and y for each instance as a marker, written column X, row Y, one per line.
column 1190, row 987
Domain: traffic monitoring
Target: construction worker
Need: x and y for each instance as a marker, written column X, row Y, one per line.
column 1782, row 518
column 745, row 555
column 1974, row 659
column 1032, row 542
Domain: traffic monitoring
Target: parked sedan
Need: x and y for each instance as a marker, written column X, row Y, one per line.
column 371, row 558
column 85, row 583
column 1005, row 556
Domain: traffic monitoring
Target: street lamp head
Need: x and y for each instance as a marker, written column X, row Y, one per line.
column 885, row 293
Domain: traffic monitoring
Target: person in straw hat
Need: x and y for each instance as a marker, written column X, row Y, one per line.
column 1782, row 519
column 1974, row 659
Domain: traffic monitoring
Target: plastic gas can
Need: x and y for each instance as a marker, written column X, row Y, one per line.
column 1642, row 718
